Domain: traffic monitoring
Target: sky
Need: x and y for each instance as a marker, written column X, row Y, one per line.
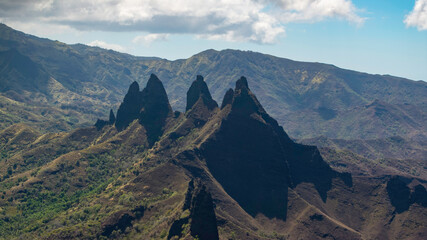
column 374, row 36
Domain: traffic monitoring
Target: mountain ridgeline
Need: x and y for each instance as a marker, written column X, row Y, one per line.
column 308, row 99
column 248, row 141
column 228, row 172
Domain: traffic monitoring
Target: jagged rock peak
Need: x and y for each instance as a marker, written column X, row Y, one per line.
column 202, row 218
column 242, row 83
column 155, row 108
column 129, row 108
column 112, row 118
column 244, row 101
column 228, row 98
column 133, row 88
column 154, row 93
column 199, row 89
column 154, row 83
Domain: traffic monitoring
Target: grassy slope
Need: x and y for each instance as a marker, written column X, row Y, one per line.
column 75, row 191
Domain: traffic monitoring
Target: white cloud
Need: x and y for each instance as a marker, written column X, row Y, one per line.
column 260, row 21
column 418, row 16
column 105, row 45
column 317, row 10
column 150, row 38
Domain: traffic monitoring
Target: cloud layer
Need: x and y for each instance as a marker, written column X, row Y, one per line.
column 260, row 21
column 418, row 16
column 101, row 44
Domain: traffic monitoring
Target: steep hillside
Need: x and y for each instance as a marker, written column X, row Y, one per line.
column 394, row 155
column 308, row 99
column 228, row 172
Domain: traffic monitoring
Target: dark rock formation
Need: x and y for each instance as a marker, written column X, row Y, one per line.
column 202, row 214
column 199, row 89
column 399, row 194
column 202, row 217
column 130, row 107
column 151, row 106
column 101, row 123
column 419, row 195
column 200, row 108
column 261, row 160
column 228, row 98
column 155, row 108
column 112, row 118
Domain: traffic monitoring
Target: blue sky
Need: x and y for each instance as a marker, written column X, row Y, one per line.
column 381, row 36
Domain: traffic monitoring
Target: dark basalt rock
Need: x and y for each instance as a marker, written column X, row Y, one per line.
column 202, row 217
column 399, row 194
column 261, row 160
column 244, row 101
column 242, row 83
column 101, row 123
column 202, row 214
column 130, row 107
column 228, row 98
column 155, row 110
column 151, row 106
column 419, row 195
column 199, row 89
column 112, row 118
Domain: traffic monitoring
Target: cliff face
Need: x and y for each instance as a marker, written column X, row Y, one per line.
column 201, row 216
column 255, row 160
column 150, row 106
column 130, row 107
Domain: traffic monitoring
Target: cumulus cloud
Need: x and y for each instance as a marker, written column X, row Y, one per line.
column 418, row 16
column 317, row 10
column 101, row 44
column 260, row 21
column 150, row 38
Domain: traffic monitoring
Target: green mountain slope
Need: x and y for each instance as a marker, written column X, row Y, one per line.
column 209, row 173
column 308, row 99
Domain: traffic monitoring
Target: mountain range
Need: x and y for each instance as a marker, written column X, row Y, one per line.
column 86, row 153
column 308, row 99
column 224, row 171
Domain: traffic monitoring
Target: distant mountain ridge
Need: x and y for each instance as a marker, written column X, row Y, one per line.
column 308, row 99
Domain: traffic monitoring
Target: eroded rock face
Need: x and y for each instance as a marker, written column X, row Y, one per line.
column 202, row 214
column 112, row 118
column 155, row 109
column 399, row 194
column 228, row 98
column 419, row 195
column 199, row 89
column 150, row 106
column 101, row 123
column 202, row 217
column 255, row 161
column 130, row 107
